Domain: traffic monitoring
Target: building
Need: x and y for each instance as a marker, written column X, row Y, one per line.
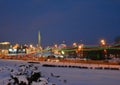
column 4, row 46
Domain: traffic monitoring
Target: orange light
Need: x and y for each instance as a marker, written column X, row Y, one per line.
column 103, row 42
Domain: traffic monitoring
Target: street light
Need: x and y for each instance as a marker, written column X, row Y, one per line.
column 63, row 52
column 75, row 44
column 31, row 46
column 103, row 42
column 56, row 46
column 80, row 48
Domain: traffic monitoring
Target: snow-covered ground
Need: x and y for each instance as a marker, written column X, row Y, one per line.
column 59, row 76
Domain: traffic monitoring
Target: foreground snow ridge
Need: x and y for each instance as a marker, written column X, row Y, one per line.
column 14, row 72
column 26, row 74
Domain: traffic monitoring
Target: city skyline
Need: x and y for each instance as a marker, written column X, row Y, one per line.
column 80, row 21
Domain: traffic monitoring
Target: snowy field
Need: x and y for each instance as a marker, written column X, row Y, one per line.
column 56, row 75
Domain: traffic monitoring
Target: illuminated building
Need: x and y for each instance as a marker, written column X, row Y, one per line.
column 4, row 46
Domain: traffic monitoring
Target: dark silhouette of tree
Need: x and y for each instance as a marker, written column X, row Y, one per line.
column 117, row 40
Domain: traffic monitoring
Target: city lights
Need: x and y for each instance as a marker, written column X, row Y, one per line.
column 63, row 52
column 75, row 44
column 103, row 42
column 80, row 47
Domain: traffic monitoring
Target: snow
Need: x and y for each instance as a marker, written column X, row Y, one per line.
column 56, row 75
column 22, row 79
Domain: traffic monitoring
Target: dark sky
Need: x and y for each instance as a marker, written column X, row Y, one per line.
column 59, row 20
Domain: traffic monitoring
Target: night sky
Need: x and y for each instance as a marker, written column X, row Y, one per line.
column 82, row 21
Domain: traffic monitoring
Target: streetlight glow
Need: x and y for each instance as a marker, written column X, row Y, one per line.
column 74, row 44
column 103, row 42
column 80, row 47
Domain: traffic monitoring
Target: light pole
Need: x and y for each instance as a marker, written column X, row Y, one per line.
column 103, row 44
column 80, row 48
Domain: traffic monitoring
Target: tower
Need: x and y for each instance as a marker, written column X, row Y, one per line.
column 39, row 39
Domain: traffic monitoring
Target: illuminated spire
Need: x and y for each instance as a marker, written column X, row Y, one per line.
column 39, row 39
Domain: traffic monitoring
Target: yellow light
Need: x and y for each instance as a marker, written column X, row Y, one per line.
column 103, row 42
column 15, row 46
column 4, row 43
column 63, row 52
column 31, row 46
column 80, row 47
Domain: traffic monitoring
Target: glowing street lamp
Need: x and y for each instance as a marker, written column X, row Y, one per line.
column 75, row 44
column 80, row 49
column 103, row 42
column 31, row 46
column 63, row 52
column 56, row 46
